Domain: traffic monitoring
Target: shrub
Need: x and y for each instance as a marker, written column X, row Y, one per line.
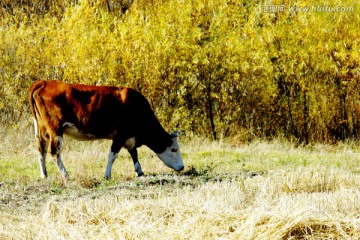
column 216, row 68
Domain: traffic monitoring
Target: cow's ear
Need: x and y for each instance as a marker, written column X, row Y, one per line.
column 177, row 133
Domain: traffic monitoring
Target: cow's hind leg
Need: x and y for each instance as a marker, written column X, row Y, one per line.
column 43, row 143
column 137, row 166
column 55, row 147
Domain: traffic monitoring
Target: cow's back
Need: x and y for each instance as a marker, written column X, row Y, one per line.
column 96, row 111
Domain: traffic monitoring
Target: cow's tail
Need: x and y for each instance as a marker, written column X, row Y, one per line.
column 34, row 90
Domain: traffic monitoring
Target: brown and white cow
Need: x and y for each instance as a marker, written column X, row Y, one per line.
column 84, row 112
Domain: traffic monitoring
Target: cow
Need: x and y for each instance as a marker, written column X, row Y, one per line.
column 86, row 112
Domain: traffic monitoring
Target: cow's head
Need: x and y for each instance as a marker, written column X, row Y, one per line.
column 171, row 157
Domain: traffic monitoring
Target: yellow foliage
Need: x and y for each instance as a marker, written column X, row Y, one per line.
column 216, row 68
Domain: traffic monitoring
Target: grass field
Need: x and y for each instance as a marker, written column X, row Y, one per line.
column 260, row 190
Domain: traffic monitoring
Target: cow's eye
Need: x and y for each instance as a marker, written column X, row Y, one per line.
column 174, row 150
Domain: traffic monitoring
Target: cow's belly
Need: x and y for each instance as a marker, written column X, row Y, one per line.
column 72, row 131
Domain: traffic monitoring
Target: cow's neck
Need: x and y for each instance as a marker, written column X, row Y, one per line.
column 158, row 140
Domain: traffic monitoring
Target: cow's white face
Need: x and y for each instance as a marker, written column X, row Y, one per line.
column 171, row 157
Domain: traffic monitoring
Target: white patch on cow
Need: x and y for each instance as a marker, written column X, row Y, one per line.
column 130, row 143
column 171, row 157
column 111, row 159
column 71, row 130
column 36, row 127
column 68, row 124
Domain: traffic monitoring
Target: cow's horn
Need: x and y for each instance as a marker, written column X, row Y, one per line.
column 177, row 133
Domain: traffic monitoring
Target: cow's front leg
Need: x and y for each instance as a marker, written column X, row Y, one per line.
column 137, row 166
column 111, row 158
column 56, row 143
column 114, row 150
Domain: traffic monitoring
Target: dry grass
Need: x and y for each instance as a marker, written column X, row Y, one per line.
column 263, row 190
